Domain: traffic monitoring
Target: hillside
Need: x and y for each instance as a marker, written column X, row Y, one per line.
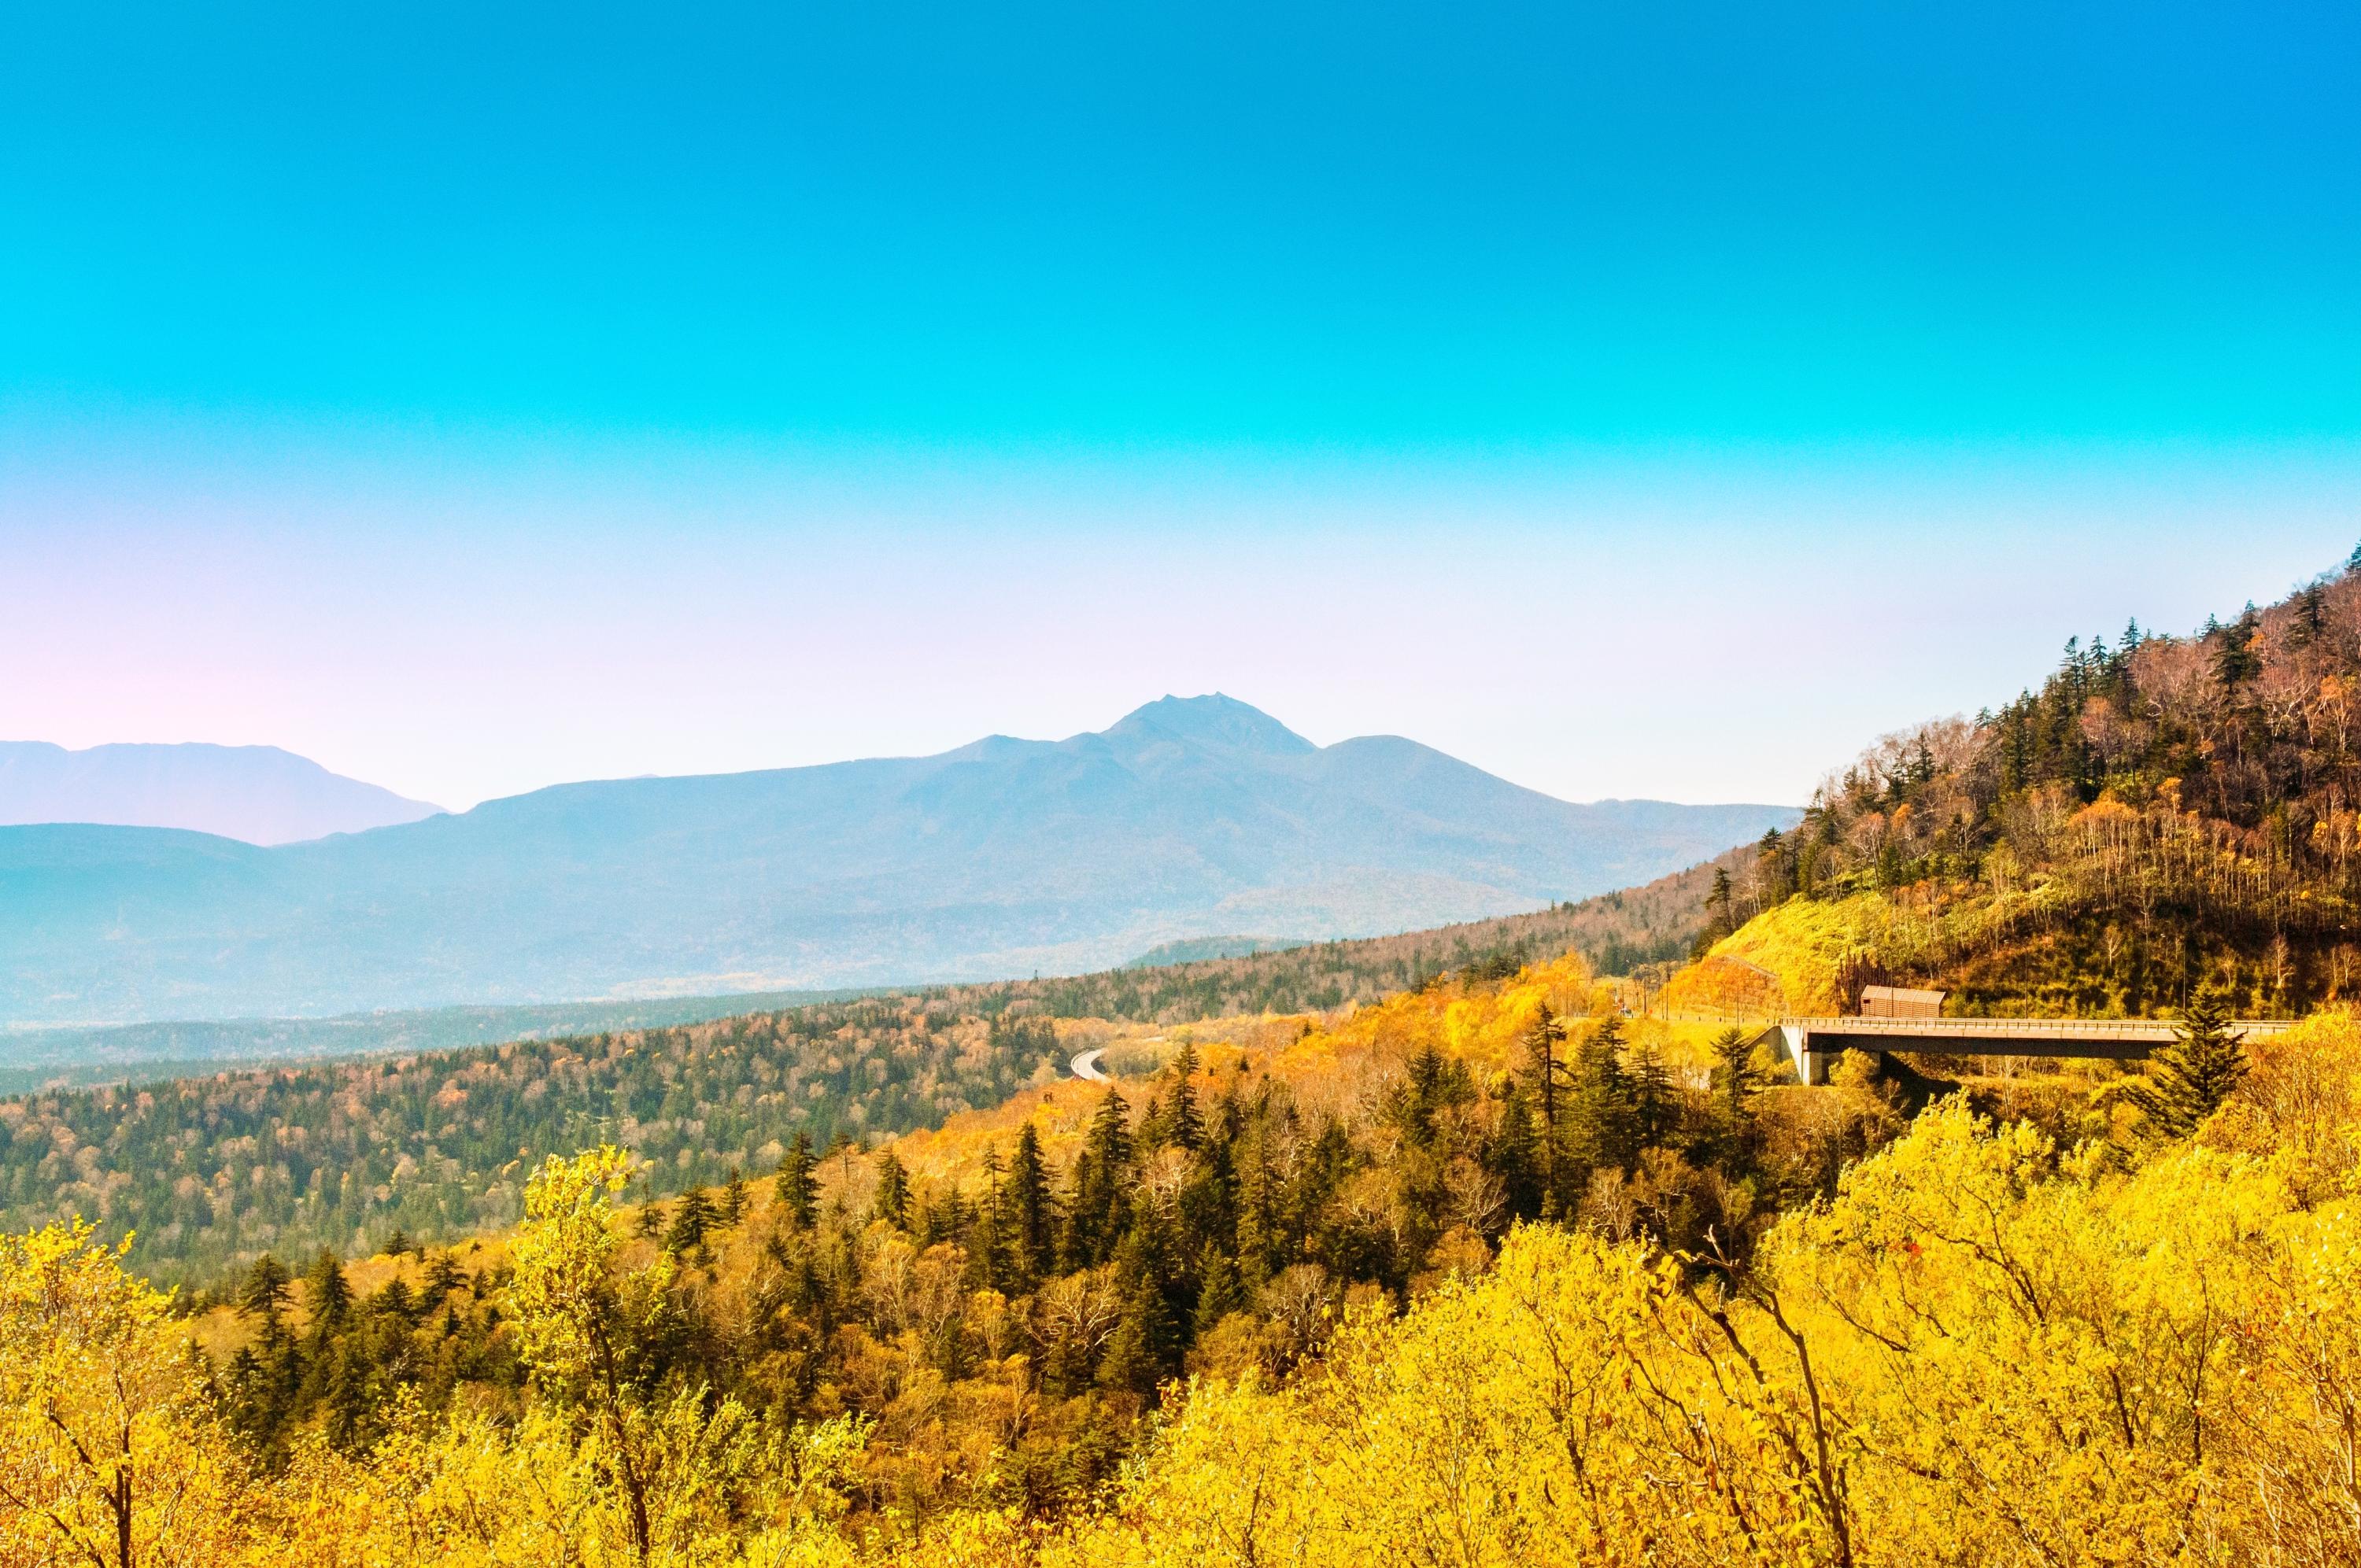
column 1189, row 818
column 1364, row 1237
column 2165, row 817
column 211, row 1171
column 260, row 794
column 1641, row 1327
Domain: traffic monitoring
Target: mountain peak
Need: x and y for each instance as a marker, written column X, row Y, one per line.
column 262, row 795
column 1210, row 720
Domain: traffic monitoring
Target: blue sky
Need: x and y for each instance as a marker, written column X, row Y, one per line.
column 877, row 305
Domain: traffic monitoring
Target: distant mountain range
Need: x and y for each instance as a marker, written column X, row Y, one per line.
column 1192, row 818
column 257, row 794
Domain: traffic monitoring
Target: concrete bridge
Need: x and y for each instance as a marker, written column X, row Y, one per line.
column 1813, row 1044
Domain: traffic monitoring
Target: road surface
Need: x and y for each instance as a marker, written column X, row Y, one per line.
column 1086, row 1065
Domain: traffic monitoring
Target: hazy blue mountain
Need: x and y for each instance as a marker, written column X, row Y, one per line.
column 1197, row 949
column 259, row 793
column 1190, row 818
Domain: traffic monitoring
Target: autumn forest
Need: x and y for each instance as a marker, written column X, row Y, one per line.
column 1506, row 1243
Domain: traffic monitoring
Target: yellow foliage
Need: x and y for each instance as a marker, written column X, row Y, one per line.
column 1784, row 961
column 1323, row 1067
column 107, row 1453
column 1983, row 1352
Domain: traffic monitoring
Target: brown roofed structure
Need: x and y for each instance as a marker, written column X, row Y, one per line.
column 1900, row 1002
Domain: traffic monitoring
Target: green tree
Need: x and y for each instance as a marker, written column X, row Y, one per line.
column 1602, row 1118
column 893, row 1204
column 1101, row 1178
column 327, row 1295
column 1735, row 1079
column 1540, row 1041
column 1221, row 1292
column 1182, row 1126
column 691, row 1220
column 732, row 1207
column 798, row 1183
column 1032, row 1210
column 265, row 1294
column 2194, row 1076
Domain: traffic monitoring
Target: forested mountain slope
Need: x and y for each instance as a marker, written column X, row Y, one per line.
column 2165, row 816
column 1189, row 818
column 1487, row 1256
column 211, row 1171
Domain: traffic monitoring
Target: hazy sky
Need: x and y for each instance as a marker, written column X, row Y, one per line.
column 1650, row 400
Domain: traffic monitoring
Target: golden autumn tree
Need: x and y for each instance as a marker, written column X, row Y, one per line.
column 107, row 1456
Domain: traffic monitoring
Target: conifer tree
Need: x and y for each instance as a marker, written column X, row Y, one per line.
column 348, row 1405
column 1602, row 1113
column 1734, row 1075
column 265, row 1294
column 798, row 1183
column 1181, row 1125
column 1032, row 1210
column 327, row 1295
column 443, row 1275
column 1259, row 1223
column 1654, row 1105
column 651, row 1219
column 2194, row 1076
column 893, row 1190
column 1096, row 1211
column 1718, row 902
column 395, row 1302
column 732, row 1207
column 1541, row 1045
column 991, row 1246
column 1513, row 1154
column 691, row 1220
column 1146, row 1348
column 1222, row 1293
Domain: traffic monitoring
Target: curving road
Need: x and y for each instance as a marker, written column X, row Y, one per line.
column 1086, row 1065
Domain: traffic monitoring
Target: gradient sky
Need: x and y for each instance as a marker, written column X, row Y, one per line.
column 1637, row 400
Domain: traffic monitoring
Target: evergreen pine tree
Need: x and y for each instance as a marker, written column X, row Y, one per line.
column 991, row 1249
column 1032, row 1212
column 265, row 1294
column 798, row 1183
column 651, row 1219
column 443, row 1275
column 1098, row 1211
column 1222, row 1293
column 1182, row 1127
column 1145, row 1349
column 1260, row 1225
column 1734, row 1075
column 347, row 1405
column 893, row 1203
column 691, row 1220
column 327, row 1295
column 1514, row 1155
column 1602, row 1113
column 732, row 1207
column 1541, row 1045
column 395, row 1302
column 1654, row 1107
column 2190, row 1078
